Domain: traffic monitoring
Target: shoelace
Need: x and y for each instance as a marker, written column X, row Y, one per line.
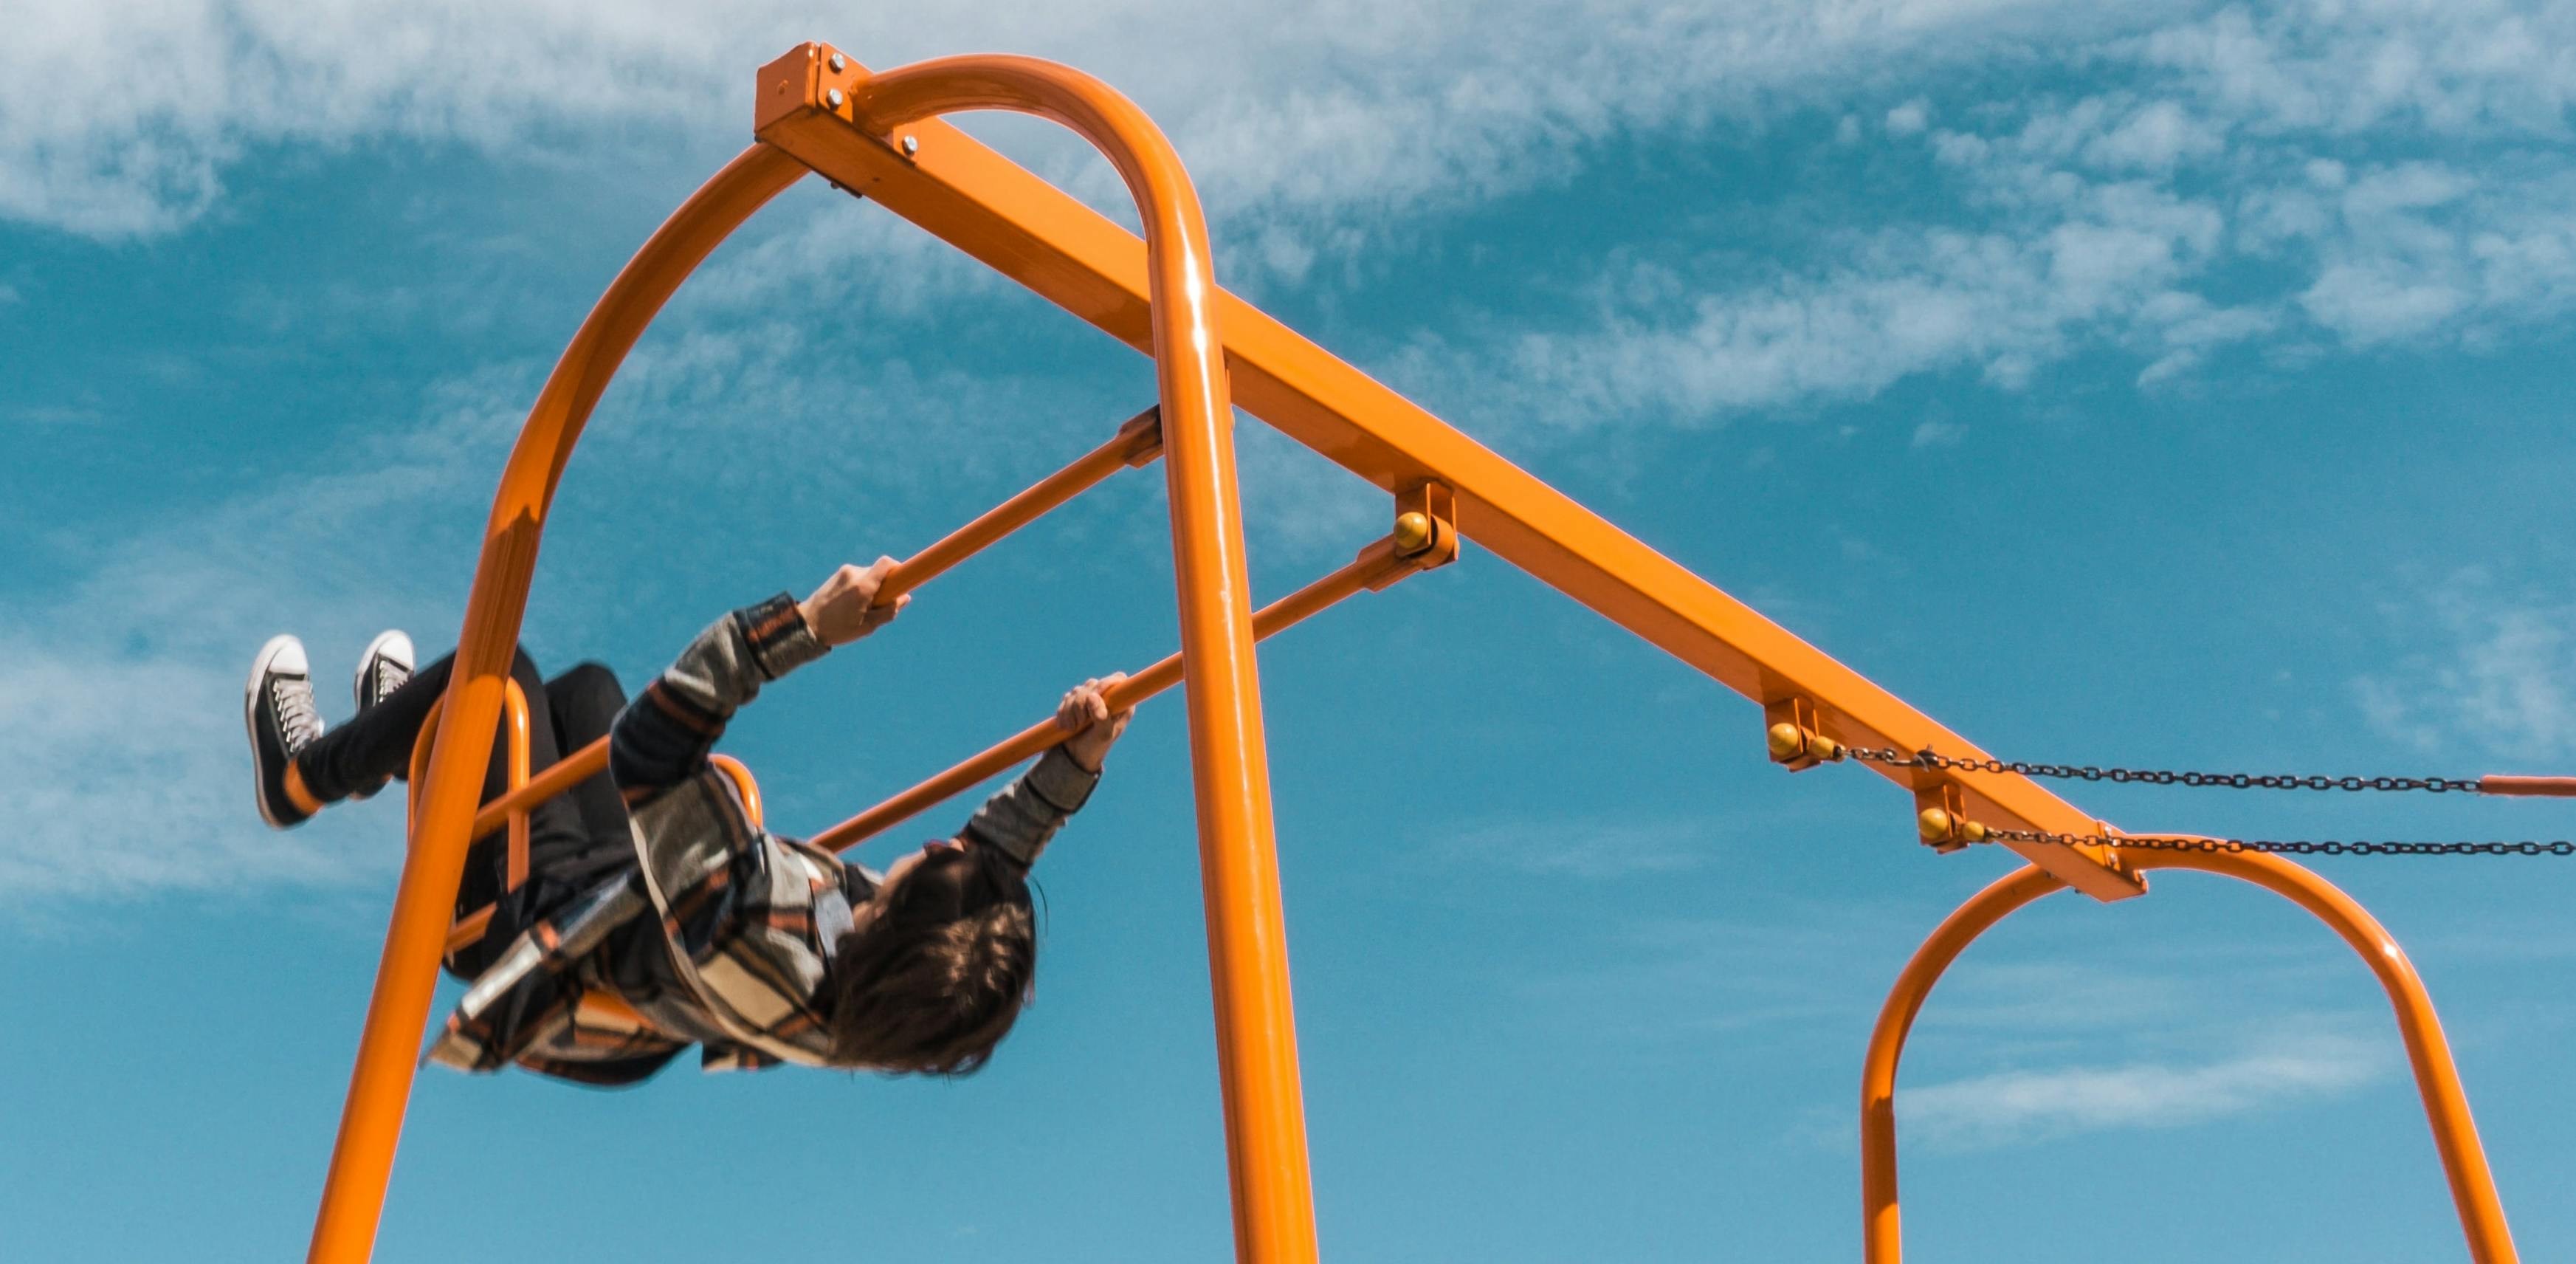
column 297, row 722
column 388, row 677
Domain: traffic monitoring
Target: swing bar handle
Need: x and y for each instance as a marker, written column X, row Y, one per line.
column 1138, row 442
column 1376, row 567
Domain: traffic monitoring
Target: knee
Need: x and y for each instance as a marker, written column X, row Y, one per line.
column 588, row 680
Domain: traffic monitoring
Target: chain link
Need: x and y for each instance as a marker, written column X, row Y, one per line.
column 2301, row 847
column 1893, row 758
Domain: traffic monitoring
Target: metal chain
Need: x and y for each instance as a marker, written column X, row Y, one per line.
column 1894, row 758
column 2152, row 842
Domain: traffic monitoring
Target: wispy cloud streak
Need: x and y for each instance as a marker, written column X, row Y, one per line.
column 2025, row 1106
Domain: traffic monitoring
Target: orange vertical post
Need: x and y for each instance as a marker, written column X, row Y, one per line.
column 1247, row 933
column 2428, row 1053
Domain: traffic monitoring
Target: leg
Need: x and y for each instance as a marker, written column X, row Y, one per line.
column 378, row 744
column 582, row 704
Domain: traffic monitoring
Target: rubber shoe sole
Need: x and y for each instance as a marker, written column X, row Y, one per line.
column 282, row 656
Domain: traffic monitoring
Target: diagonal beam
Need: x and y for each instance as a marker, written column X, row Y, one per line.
column 1000, row 213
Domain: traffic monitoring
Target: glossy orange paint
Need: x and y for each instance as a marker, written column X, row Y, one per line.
column 743, row 784
column 875, row 135
column 1030, row 231
column 510, row 810
column 1266, row 1144
column 1138, row 441
column 353, row 1192
column 2437, row 1076
column 1265, row 1114
column 1377, row 566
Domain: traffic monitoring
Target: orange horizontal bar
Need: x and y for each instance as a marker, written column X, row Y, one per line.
column 1038, row 235
column 560, row 776
column 1378, row 562
column 469, row 929
column 2544, row 787
column 1137, row 442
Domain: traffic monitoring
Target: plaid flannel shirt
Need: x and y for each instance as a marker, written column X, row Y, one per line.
column 722, row 934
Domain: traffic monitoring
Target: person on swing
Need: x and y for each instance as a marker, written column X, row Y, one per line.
column 655, row 913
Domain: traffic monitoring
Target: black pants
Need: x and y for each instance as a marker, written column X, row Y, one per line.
column 571, row 838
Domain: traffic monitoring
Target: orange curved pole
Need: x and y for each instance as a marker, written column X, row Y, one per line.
column 1882, row 1239
column 1274, row 1219
column 743, row 784
column 1256, row 1033
column 2437, row 1076
column 353, row 1194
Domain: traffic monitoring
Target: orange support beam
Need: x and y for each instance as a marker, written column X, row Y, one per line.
column 1030, row 231
column 353, row 1193
column 2437, row 1077
column 1265, row 1115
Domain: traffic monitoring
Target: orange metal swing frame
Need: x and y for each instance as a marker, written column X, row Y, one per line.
column 879, row 135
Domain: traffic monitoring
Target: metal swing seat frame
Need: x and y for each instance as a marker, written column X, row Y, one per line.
column 880, row 136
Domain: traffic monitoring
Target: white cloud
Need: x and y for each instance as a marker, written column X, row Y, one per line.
column 2498, row 672
column 120, row 699
column 2019, row 1107
column 1908, row 302
column 2113, row 219
column 1284, row 114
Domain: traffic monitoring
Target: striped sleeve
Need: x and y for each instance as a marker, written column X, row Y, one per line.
column 663, row 738
column 1023, row 815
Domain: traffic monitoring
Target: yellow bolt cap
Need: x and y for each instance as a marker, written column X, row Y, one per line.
column 1786, row 741
column 1934, row 824
column 1412, row 531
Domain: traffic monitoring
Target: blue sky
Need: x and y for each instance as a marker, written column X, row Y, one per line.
column 2180, row 385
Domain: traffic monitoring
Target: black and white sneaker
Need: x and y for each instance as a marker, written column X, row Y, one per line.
column 277, row 708
column 385, row 667
column 382, row 669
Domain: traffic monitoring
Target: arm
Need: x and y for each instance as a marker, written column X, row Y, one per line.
column 663, row 738
column 1024, row 815
column 736, row 906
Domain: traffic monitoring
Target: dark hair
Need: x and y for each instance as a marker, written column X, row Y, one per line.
column 934, row 980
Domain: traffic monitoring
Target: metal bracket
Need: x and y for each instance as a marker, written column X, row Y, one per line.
column 1795, row 734
column 1426, row 529
column 1941, row 817
column 1147, row 426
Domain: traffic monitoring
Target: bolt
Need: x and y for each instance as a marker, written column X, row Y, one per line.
column 839, row 63
column 911, row 145
column 1938, row 826
column 1786, row 741
column 1412, row 532
column 834, row 98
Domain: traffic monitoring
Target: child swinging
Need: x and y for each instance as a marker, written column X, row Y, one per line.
column 656, row 913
